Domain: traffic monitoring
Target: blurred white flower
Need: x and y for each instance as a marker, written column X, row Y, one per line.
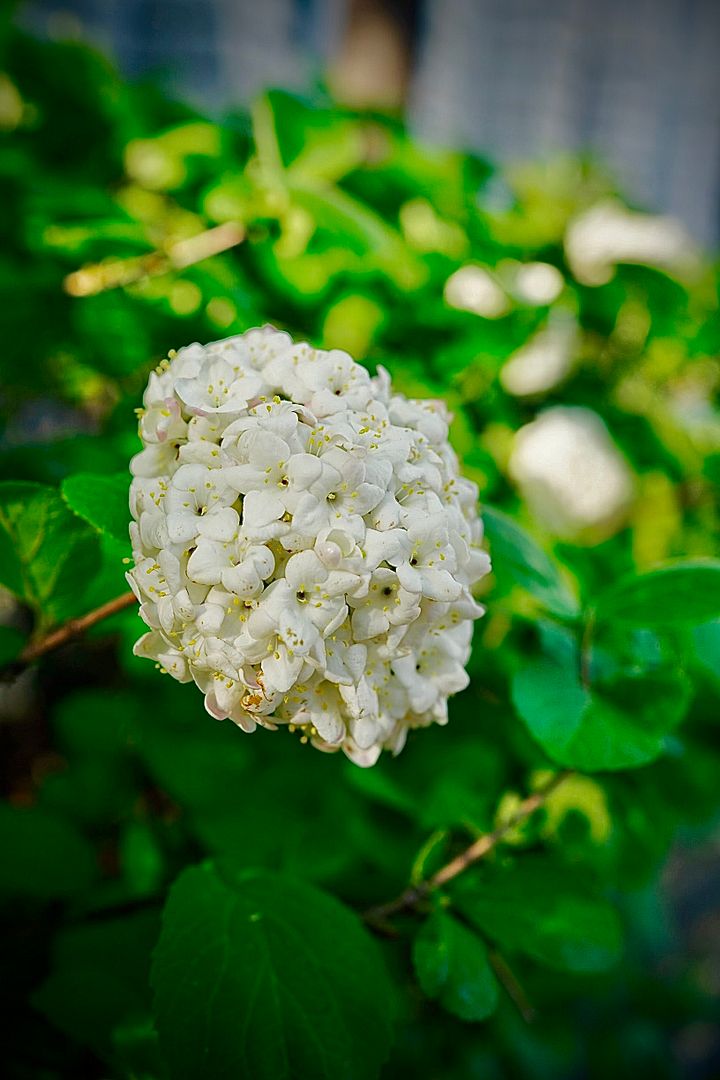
column 571, row 473
column 608, row 233
column 304, row 546
column 471, row 288
column 538, row 283
column 544, row 360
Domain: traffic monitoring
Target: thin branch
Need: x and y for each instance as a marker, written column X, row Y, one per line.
column 70, row 630
column 414, row 894
column 99, row 277
column 514, row 989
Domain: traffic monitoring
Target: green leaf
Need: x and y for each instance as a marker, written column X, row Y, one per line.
column 617, row 726
column 102, row 501
column 47, row 556
column 538, row 908
column 260, row 975
column 97, row 991
column 451, row 964
column 42, row 856
column 682, row 593
column 11, row 643
column 516, row 556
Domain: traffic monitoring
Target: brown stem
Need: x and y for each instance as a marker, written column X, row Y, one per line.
column 378, row 916
column 100, row 277
column 513, row 987
column 74, row 628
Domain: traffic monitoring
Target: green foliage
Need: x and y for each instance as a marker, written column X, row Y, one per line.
column 47, row 557
column 44, row 857
column 677, row 595
column 616, row 725
column 102, row 501
column 599, row 650
column 452, row 965
column 538, row 908
column 518, row 558
column 286, row 982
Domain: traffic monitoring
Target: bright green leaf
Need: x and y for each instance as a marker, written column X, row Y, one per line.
column 260, row 975
column 517, row 557
column 102, row 501
column 451, row 964
column 537, row 908
column 47, row 556
column 682, row 593
column 618, row 726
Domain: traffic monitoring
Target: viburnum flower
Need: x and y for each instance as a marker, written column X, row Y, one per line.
column 304, row 545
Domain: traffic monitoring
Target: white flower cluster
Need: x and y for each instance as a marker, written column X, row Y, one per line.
column 304, row 547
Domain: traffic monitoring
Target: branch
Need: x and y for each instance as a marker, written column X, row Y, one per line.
column 69, row 630
column 378, row 916
column 98, row 277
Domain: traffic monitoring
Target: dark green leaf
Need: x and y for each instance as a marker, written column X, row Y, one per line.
column 536, row 907
column 517, row 557
column 102, row 501
column 11, row 643
column 97, row 991
column 618, row 726
column 42, row 856
column 451, row 964
column 682, row 593
column 259, row 975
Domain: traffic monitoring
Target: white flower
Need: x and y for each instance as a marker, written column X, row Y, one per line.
column 304, row 546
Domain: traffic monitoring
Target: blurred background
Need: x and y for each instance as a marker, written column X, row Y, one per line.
column 635, row 81
column 510, row 205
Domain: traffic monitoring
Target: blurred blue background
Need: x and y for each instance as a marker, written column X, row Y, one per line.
column 637, row 82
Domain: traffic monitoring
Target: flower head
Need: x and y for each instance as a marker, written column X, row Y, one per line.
column 304, row 547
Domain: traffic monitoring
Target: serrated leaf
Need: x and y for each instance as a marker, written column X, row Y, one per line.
column 538, row 908
column 517, row 557
column 680, row 594
column 451, row 963
column 102, row 501
column 47, row 556
column 257, row 974
column 620, row 726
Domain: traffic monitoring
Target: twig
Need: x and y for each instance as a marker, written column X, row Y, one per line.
column 512, row 986
column 69, row 630
column 378, row 916
column 99, row 277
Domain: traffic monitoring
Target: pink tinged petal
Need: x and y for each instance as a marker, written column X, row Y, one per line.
column 212, row 706
column 244, row 720
column 364, row 732
column 364, row 758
